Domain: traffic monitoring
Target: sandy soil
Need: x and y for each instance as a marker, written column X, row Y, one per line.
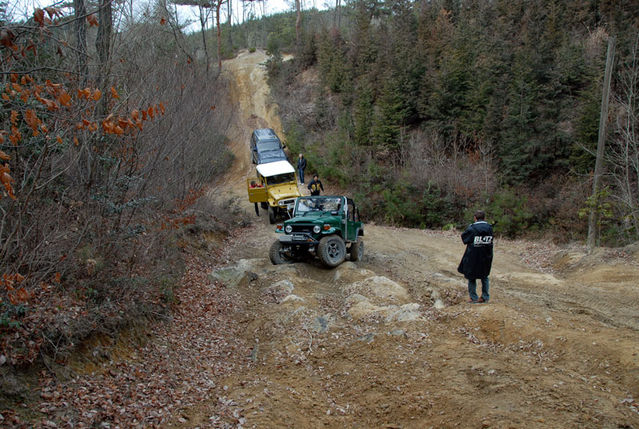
column 391, row 342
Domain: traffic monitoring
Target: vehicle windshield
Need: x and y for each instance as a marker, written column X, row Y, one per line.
column 281, row 178
column 269, row 145
column 317, row 204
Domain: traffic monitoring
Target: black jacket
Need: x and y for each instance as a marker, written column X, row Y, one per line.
column 301, row 163
column 478, row 258
column 315, row 187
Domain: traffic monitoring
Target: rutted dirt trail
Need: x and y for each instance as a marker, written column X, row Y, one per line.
column 391, row 342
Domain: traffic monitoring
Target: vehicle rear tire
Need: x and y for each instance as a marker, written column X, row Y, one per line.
column 357, row 250
column 271, row 215
column 331, row 251
column 277, row 256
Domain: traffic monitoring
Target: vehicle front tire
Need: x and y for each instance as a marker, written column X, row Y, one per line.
column 357, row 250
column 271, row 215
column 277, row 256
column 331, row 251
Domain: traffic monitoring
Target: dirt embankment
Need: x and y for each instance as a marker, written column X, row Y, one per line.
column 391, row 341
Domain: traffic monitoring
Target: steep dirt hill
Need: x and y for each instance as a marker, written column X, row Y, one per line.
column 388, row 342
column 391, row 342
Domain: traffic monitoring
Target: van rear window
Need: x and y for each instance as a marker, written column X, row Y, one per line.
column 269, row 145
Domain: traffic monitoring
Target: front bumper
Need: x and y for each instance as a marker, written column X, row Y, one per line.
column 298, row 238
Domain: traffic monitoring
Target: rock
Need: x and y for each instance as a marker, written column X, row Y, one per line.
column 283, row 288
column 12, row 386
column 364, row 308
column 405, row 313
column 368, row 338
column 292, row 298
column 437, row 301
column 323, row 323
column 398, row 333
column 382, row 287
column 231, row 276
column 355, row 298
column 348, row 265
column 348, row 273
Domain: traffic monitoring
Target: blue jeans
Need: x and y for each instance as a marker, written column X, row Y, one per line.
column 472, row 289
column 301, row 174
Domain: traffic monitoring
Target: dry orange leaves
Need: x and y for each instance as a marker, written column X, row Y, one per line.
column 92, row 20
column 6, row 180
column 22, row 90
column 10, row 282
column 87, row 93
column 41, row 19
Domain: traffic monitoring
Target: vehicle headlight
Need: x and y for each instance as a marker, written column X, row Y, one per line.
column 316, row 229
column 288, row 229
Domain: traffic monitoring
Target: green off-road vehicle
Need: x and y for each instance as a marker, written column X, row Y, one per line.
column 327, row 227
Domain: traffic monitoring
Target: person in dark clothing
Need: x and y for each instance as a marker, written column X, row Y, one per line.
column 315, row 185
column 301, row 166
column 478, row 258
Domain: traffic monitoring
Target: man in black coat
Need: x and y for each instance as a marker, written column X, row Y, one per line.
column 478, row 258
column 301, row 166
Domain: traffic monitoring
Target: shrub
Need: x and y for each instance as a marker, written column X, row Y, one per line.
column 509, row 212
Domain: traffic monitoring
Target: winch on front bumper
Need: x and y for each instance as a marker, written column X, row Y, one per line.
column 299, row 238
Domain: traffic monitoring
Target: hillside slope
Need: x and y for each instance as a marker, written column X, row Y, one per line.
column 391, row 341
column 387, row 342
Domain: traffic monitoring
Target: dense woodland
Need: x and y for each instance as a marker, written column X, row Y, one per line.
column 431, row 109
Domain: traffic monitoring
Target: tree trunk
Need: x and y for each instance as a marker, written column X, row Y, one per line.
column 593, row 219
column 203, row 19
column 229, row 21
column 298, row 23
column 219, row 35
column 103, row 47
column 81, row 41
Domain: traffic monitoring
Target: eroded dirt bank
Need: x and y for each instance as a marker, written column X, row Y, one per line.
column 391, row 341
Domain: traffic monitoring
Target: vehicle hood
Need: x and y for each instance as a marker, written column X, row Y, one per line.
column 285, row 190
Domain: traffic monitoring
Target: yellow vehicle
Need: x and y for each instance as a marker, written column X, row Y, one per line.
column 274, row 189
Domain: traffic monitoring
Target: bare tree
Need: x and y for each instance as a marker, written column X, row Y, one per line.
column 298, row 23
column 204, row 9
column 103, row 47
column 81, row 39
column 624, row 153
column 218, row 5
column 229, row 20
column 593, row 219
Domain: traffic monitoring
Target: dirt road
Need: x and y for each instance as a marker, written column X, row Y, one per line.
column 391, row 342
